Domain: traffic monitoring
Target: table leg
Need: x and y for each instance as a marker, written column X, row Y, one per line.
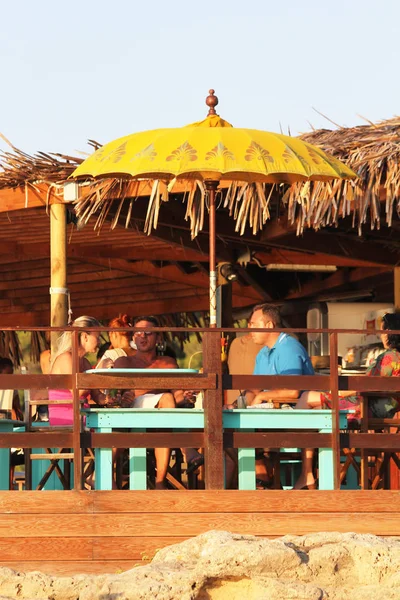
column 325, row 466
column 103, row 465
column 5, row 469
column 137, row 467
column 247, row 468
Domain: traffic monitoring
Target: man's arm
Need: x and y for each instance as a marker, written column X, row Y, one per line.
column 122, row 362
column 271, row 395
column 292, row 364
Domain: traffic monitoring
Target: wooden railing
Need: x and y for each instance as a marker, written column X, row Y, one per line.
column 213, row 382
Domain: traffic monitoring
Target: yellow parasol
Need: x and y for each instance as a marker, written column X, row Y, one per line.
column 212, row 151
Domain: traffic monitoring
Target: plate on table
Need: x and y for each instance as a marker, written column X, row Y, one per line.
column 142, row 371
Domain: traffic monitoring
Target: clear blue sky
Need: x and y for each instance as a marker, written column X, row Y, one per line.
column 102, row 69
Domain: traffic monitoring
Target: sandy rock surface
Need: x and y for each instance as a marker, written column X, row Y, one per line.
column 218, row 565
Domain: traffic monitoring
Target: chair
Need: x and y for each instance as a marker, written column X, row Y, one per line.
column 57, row 474
column 381, row 467
column 6, row 401
column 373, row 467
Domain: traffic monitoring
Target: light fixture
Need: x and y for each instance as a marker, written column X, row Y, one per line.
column 227, row 271
column 293, row 267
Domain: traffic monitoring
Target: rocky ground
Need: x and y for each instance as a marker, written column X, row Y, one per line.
column 223, row 566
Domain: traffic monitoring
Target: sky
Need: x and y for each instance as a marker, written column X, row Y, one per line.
column 94, row 69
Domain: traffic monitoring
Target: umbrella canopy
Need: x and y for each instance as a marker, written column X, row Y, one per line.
column 209, row 152
column 213, row 150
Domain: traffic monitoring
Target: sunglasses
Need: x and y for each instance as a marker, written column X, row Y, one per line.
column 144, row 333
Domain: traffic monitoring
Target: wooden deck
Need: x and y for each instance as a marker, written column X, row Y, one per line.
column 108, row 532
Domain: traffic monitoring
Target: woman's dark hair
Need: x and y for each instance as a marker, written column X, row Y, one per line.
column 392, row 321
column 5, row 362
column 103, row 348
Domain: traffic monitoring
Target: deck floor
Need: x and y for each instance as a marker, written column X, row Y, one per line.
column 109, row 532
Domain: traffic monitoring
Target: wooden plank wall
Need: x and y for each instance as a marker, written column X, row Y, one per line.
column 107, row 532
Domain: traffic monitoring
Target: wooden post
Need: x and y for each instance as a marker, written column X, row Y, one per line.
column 76, row 432
column 224, row 301
column 58, row 265
column 396, row 281
column 393, row 470
column 333, row 351
column 213, row 432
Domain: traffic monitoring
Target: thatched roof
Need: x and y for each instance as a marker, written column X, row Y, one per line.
column 373, row 151
column 18, row 169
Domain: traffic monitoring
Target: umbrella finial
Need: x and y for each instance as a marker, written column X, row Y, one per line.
column 212, row 102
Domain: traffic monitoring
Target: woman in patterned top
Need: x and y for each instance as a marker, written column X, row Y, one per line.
column 386, row 365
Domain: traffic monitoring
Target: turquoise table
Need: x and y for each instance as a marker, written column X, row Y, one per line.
column 288, row 420
column 6, row 426
column 138, row 420
column 104, row 420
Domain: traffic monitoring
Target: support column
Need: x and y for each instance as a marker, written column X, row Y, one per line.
column 394, row 472
column 58, row 267
column 396, row 281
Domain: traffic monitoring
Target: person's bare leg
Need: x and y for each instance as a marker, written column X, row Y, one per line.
column 231, row 468
column 307, row 479
column 309, row 400
column 163, row 454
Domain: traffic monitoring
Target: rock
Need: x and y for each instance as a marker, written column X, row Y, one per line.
column 218, row 565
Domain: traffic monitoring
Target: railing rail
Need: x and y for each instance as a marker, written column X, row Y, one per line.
column 213, row 382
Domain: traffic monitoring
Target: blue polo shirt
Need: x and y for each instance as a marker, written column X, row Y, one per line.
column 286, row 357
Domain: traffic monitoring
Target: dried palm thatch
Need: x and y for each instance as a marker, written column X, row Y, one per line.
column 373, row 152
column 18, row 169
column 182, row 320
column 10, row 347
column 39, row 342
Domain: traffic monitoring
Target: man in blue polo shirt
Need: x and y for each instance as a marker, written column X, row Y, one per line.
column 281, row 354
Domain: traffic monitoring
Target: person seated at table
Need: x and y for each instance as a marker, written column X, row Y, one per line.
column 280, row 354
column 7, row 368
column 146, row 357
column 120, row 343
column 387, row 364
column 17, row 454
column 61, row 364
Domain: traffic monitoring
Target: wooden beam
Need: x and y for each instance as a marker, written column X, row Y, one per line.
column 333, row 244
column 41, row 281
column 273, row 230
column 167, row 253
column 342, row 277
column 264, row 294
column 306, row 257
column 99, row 294
column 198, row 302
column 18, row 198
column 397, row 288
column 170, row 273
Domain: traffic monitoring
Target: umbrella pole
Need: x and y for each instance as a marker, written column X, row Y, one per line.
column 211, row 187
